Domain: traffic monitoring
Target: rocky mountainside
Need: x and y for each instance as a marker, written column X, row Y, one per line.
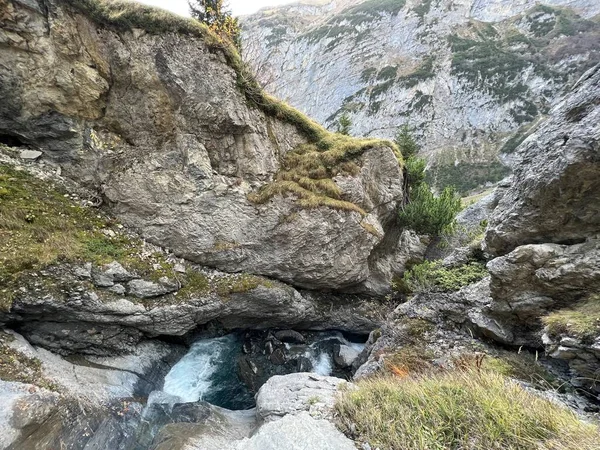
column 148, row 112
column 466, row 74
column 188, row 263
column 542, row 245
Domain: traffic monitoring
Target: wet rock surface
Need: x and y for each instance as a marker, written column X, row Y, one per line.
column 265, row 356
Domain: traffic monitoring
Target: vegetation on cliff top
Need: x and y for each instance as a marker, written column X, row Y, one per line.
column 459, row 409
column 308, row 170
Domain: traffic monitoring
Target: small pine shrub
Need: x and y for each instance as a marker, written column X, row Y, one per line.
column 414, row 170
column 406, row 142
column 344, row 124
column 427, row 214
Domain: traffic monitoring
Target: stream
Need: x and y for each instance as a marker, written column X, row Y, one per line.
column 215, row 371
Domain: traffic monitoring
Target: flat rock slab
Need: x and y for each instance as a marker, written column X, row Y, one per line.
column 30, row 154
column 295, row 393
column 299, row 432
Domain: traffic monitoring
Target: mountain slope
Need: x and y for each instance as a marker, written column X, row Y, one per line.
column 466, row 74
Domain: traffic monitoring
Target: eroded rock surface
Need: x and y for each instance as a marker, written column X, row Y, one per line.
column 298, row 392
column 156, row 124
column 555, row 196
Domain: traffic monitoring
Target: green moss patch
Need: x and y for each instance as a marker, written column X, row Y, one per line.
column 458, row 409
column 581, row 321
column 431, row 276
column 238, row 284
column 40, row 226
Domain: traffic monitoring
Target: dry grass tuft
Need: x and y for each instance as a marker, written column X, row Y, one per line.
column 459, row 410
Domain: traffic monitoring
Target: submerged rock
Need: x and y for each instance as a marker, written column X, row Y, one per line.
column 289, row 336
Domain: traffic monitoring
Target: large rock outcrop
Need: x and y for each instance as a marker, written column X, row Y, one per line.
column 155, row 122
column 555, row 195
column 435, row 65
column 547, row 222
column 61, row 311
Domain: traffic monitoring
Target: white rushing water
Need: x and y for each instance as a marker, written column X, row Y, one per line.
column 208, row 371
column 193, row 376
column 322, row 365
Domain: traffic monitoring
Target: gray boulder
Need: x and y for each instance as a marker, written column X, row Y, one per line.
column 344, row 355
column 117, row 272
column 533, row 280
column 148, row 289
column 298, row 432
column 555, row 194
column 297, row 392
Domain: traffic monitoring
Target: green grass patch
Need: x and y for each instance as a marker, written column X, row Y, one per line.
column 431, row 276
column 40, row 226
column 581, row 321
column 458, row 410
column 238, row 284
column 522, row 366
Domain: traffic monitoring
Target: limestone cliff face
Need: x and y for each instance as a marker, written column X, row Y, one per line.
column 156, row 123
column 467, row 74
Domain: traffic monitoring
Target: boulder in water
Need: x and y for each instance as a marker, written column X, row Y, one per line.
column 291, row 336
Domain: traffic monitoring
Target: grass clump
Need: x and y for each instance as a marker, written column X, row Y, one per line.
column 40, row 225
column 460, row 409
column 308, row 172
column 431, row 276
column 522, row 366
column 238, row 284
column 581, row 321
